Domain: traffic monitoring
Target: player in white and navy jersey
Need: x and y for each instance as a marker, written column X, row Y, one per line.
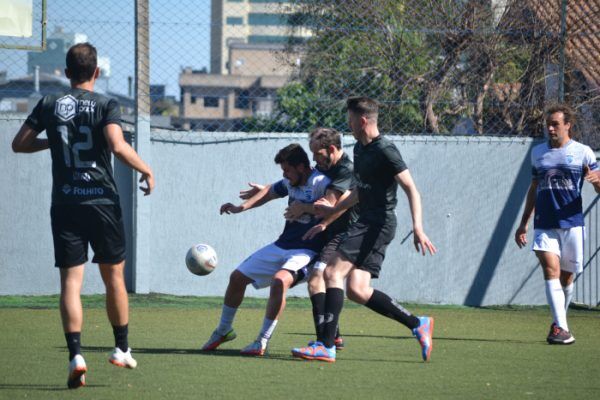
column 559, row 168
column 276, row 264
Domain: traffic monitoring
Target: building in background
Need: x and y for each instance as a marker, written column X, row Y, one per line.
column 252, row 57
column 253, row 22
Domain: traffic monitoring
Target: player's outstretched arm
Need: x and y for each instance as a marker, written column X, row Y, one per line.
column 254, row 188
column 124, row 152
column 322, row 226
column 26, row 141
column 521, row 233
column 263, row 196
column 297, row 208
column 421, row 241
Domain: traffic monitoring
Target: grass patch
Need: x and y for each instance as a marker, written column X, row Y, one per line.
column 478, row 353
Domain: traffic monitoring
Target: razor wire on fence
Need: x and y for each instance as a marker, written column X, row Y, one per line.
column 444, row 67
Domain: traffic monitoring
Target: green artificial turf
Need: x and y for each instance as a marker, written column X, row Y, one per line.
column 478, row 354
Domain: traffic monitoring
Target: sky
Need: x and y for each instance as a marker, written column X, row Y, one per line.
column 179, row 37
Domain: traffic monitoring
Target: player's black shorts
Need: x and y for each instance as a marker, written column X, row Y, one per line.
column 364, row 245
column 76, row 226
column 331, row 247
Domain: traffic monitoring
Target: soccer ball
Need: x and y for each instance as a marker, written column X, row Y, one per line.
column 201, row 259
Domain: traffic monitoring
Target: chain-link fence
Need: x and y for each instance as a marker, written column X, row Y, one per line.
column 448, row 67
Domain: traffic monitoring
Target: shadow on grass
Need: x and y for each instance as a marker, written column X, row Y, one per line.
column 435, row 338
column 31, row 386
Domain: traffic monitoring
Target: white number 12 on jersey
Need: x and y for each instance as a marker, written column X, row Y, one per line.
column 77, row 147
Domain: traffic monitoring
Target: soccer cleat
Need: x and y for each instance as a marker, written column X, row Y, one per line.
column 316, row 351
column 216, row 339
column 122, row 359
column 339, row 343
column 424, row 334
column 77, row 370
column 560, row 336
column 254, row 349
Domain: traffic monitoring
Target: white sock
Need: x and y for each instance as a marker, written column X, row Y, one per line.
column 227, row 316
column 267, row 330
column 556, row 300
column 568, row 291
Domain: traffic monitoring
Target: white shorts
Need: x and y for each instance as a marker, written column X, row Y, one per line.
column 567, row 244
column 265, row 262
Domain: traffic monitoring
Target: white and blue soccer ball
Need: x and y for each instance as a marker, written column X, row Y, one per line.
column 201, row 259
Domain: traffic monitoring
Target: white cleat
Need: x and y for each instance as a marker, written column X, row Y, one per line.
column 122, row 359
column 77, row 370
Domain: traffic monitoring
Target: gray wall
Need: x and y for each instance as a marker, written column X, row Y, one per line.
column 473, row 190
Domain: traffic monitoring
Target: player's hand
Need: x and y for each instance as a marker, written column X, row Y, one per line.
column 314, row 231
column 323, row 208
column 592, row 177
column 149, row 179
column 521, row 236
column 254, row 188
column 423, row 244
column 229, row 208
column 294, row 211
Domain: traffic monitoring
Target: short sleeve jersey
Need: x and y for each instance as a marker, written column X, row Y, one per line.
column 342, row 179
column 81, row 160
column 375, row 167
column 559, row 176
column 314, row 189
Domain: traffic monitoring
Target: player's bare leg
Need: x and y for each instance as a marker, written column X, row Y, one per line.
column 71, row 312
column 559, row 330
column 234, row 295
column 282, row 280
column 117, row 309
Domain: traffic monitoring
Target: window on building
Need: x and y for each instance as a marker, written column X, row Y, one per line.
column 194, row 99
column 242, row 99
column 211, row 102
column 235, row 21
column 267, row 19
column 257, row 39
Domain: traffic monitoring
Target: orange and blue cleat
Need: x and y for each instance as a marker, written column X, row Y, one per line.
column 424, row 334
column 315, row 351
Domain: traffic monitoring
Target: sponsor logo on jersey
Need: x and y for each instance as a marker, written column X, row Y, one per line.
column 556, row 179
column 79, row 191
column 569, row 158
column 66, row 108
column 87, row 106
column 308, row 194
column 94, row 191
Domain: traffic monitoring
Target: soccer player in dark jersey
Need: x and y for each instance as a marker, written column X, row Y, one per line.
column 326, row 146
column 83, row 128
column 378, row 170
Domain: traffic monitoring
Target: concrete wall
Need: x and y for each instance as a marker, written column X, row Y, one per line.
column 473, row 191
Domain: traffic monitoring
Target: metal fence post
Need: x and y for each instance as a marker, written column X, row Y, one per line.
column 141, row 205
column 563, row 42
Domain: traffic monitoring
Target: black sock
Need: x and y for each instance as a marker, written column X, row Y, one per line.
column 318, row 308
column 337, row 331
column 73, row 343
column 384, row 305
column 334, row 302
column 120, row 333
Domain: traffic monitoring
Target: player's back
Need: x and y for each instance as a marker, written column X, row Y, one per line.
column 81, row 161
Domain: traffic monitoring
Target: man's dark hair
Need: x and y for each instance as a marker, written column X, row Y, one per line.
column 363, row 106
column 82, row 61
column 292, row 154
column 325, row 137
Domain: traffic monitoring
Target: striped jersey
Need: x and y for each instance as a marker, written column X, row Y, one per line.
column 559, row 175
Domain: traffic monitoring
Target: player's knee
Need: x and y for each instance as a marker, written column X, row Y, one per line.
column 237, row 279
column 331, row 275
column 357, row 294
column 316, row 283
